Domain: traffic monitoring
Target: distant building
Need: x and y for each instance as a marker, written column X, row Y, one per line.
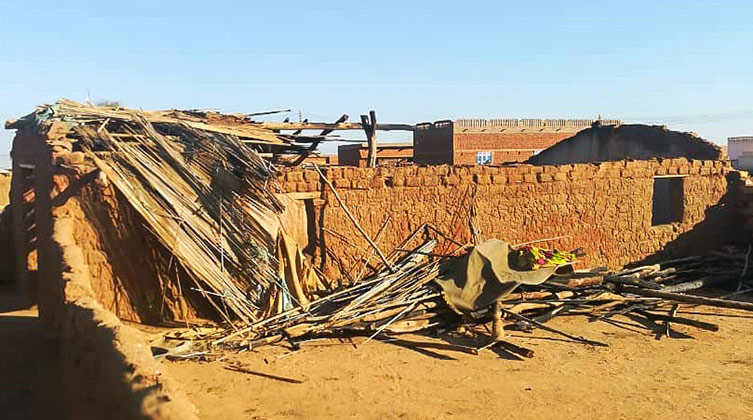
column 744, row 162
column 388, row 154
column 479, row 142
column 737, row 147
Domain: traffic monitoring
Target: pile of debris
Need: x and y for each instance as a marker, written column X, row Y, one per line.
column 424, row 293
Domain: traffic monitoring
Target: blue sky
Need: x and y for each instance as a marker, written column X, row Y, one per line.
column 683, row 63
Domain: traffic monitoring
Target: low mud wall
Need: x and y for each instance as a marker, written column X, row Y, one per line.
column 108, row 368
column 605, row 208
column 132, row 274
column 745, row 191
column 7, row 256
column 4, row 189
column 107, row 365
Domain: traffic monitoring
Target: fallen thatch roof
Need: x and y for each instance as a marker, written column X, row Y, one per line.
column 199, row 183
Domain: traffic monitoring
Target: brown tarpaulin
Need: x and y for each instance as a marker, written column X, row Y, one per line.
column 486, row 274
column 295, row 271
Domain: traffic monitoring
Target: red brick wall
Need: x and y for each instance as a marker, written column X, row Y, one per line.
column 490, row 141
column 348, row 156
column 605, row 208
column 468, row 157
column 506, row 147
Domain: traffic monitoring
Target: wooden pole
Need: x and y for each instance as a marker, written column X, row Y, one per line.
column 273, row 125
column 701, row 300
column 498, row 331
column 372, row 140
column 353, row 219
column 369, row 123
column 340, row 120
column 305, row 153
column 554, row 330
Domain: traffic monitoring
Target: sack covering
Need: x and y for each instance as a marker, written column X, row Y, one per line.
column 487, row 273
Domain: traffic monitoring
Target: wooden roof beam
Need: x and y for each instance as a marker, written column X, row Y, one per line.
column 271, row 125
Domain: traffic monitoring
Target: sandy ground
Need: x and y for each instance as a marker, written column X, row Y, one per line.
column 709, row 376
column 29, row 368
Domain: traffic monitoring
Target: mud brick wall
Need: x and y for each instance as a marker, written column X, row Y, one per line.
column 4, row 189
column 744, row 186
column 7, row 249
column 131, row 272
column 605, row 208
column 108, row 368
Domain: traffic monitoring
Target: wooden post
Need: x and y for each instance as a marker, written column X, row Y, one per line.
column 498, row 331
column 369, row 124
column 353, row 219
column 373, row 140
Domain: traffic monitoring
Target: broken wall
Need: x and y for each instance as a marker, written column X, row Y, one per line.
column 629, row 141
column 605, row 208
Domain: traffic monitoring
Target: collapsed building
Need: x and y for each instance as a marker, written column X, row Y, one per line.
column 180, row 216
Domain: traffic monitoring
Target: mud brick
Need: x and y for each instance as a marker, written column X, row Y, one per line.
column 499, row 179
column 482, row 179
column 529, row 178
column 452, row 180
column 294, row 176
column 341, row 183
column 413, row 181
column 430, row 180
column 545, row 177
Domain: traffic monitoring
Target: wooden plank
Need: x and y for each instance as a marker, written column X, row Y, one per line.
column 304, row 195
column 272, row 125
column 700, row 300
column 353, row 220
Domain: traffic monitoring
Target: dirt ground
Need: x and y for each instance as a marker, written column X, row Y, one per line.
column 709, row 376
column 29, row 368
